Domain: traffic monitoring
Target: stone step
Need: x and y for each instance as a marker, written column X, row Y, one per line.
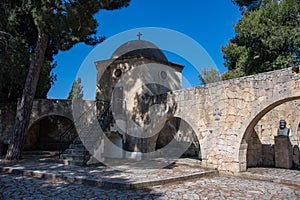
column 74, row 162
column 76, row 146
column 75, row 151
column 76, row 154
column 73, row 156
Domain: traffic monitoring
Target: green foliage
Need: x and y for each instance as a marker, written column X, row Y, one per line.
column 251, row 5
column 235, row 73
column 266, row 39
column 18, row 38
column 296, row 57
column 248, row 4
column 209, row 75
column 76, row 91
column 66, row 23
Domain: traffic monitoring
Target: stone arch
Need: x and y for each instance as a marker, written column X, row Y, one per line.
column 296, row 125
column 248, row 126
column 36, row 118
column 45, row 107
column 171, row 128
column 45, row 133
column 192, row 122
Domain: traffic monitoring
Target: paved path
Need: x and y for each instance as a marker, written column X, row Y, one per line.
column 50, row 168
column 213, row 187
column 273, row 175
column 19, row 187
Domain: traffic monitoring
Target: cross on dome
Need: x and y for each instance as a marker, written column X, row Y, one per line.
column 139, row 35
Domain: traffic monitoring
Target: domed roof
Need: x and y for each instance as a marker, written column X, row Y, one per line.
column 139, row 48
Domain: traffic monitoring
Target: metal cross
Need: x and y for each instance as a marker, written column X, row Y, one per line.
column 139, row 35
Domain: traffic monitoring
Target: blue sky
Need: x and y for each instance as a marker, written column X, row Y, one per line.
column 209, row 23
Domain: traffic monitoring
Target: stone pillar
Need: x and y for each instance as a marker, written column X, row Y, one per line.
column 243, row 157
column 283, row 152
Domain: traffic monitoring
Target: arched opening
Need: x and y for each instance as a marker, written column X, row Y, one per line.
column 52, row 132
column 179, row 130
column 258, row 144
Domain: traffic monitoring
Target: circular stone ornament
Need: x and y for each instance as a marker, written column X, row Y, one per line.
column 163, row 75
column 117, row 73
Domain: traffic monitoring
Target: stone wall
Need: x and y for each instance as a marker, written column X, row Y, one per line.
column 223, row 116
column 233, row 120
column 42, row 108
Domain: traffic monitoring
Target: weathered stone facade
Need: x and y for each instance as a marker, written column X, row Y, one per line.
column 223, row 115
column 136, row 72
column 231, row 124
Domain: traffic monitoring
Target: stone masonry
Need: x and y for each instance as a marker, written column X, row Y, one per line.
column 224, row 116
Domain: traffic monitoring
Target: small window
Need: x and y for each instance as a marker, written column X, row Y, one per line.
column 163, row 75
column 117, row 73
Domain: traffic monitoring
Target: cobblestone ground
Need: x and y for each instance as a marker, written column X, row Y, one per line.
column 276, row 172
column 20, row 187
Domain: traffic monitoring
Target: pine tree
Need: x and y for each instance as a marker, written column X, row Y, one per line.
column 17, row 39
column 266, row 39
column 76, row 91
column 53, row 25
column 209, row 75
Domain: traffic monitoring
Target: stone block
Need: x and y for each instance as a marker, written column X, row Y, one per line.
column 268, row 155
column 243, row 166
column 283, row 152
column 243, row 153
column 296, row 157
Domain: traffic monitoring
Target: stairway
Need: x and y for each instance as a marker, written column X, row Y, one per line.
column 91, row 139
column 76, row 154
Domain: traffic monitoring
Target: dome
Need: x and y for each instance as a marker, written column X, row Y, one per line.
column 139, row 48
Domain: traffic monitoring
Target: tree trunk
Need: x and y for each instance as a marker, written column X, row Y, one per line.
column 24, row 104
